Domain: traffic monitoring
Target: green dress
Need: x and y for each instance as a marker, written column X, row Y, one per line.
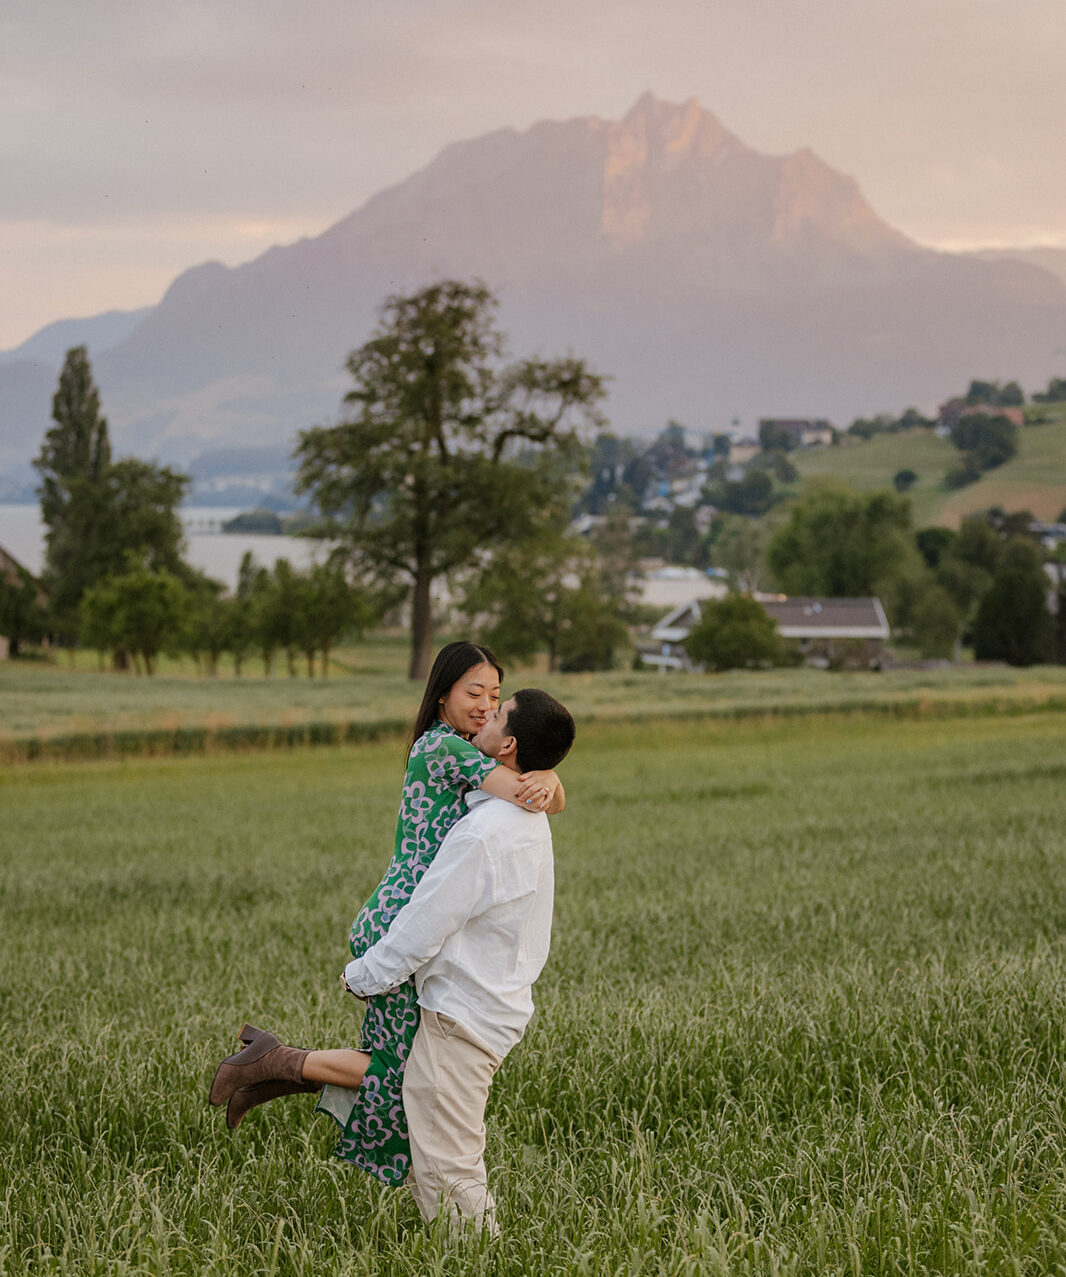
column 442, row 768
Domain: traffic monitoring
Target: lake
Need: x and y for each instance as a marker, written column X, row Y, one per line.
column 219, row 553
column 213, row 551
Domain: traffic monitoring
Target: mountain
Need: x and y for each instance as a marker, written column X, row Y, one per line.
column 100, row 332
column 710, row 281
column 1052, row 259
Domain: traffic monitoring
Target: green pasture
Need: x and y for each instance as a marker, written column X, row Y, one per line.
column 805, row 1011
column 1033, row 480
column 68, row 710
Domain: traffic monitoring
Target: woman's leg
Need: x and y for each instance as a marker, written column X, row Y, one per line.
column 341, row 1067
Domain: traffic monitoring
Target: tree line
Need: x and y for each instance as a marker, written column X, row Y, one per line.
column 452, row 462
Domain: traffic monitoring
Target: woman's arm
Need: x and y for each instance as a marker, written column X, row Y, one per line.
column 540, row 791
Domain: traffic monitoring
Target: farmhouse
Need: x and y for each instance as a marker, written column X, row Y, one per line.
column 827, row 632
column 12, row 573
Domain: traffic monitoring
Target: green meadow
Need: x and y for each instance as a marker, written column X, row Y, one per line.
column 1034, row 480
column 805, row 1011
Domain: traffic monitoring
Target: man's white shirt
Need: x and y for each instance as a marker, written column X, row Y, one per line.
column 476, row 931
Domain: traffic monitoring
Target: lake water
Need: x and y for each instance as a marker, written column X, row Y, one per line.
column 215, row 552
column 219, row 553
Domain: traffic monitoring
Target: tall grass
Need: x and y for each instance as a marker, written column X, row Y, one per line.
column 804, row 1011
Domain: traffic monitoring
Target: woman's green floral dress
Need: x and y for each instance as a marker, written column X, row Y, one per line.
column 442, row 768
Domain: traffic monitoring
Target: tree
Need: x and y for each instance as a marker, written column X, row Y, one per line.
column 752, row 495
column 995, row 394
column 617, row 562
column 738, row 548
column 22, row 612
column 775, row 462
column 591, row 631
column 74, row 458
column 100, row 513
column 912, row 419
column 933, row 542
column 989, row 438
column 968, row 562
column 240, row 630
column 208, row 626
column 1055, row 393
column 843, row 544
column 966, row 472
column 441, row 438
column 735, row 633
column 904, row 479
column 139, row 611
column 1013, row 623
column 775, row 438
column 331, row 606
column 935, row 621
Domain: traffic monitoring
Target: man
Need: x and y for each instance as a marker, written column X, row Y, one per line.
column 475, row 935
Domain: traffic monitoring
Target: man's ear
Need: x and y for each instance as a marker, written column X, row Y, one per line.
column 508, row 748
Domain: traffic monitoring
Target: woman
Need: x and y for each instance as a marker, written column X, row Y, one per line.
column 362, row 1089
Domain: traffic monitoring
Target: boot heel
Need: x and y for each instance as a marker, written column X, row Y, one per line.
column 257, row 1044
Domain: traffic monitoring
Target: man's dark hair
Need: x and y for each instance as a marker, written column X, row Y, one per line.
column 543, row 730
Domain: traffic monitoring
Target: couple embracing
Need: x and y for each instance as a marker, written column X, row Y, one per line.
column 446, row 949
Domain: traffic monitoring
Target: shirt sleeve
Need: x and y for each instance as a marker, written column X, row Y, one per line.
column 458, row 884
column 456, row 764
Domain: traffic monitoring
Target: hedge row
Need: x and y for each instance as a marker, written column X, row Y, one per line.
column 139, row 743
column 154, row 742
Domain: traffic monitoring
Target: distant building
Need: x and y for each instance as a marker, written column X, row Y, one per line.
column 11, row 571
column 952, row 412
column 804, row 432
column 828, row 632
column 743, row 450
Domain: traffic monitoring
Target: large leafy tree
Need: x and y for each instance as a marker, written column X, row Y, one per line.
column 548, row 593
column 138, row 612
column 845, row 544
column 445, row 449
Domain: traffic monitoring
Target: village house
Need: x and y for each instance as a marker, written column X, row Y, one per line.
column 11, row 571
column 952, row 412
column 741, row 451
column 804, row 432
column 828, row 633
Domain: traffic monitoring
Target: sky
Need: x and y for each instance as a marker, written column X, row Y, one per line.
column 138, row 140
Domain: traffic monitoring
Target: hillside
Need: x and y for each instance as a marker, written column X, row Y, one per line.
column 1034, row 480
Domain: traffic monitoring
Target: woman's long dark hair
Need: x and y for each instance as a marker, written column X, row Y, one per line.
column 451, row 664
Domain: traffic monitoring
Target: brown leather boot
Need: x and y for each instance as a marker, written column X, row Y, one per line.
column 263, row 1059
column 248, row 1097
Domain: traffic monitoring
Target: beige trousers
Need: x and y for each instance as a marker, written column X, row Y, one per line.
column 445, row 1089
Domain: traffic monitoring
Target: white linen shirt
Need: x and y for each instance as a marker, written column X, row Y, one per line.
column 476, row 930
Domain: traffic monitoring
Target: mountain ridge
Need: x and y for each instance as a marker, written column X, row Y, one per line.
column 709, row 280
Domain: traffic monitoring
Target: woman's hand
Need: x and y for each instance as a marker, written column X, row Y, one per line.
column 537, row 789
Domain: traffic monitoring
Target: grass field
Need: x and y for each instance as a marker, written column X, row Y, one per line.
column 1034, row 480
column 368, row 686
column 805, row 1011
